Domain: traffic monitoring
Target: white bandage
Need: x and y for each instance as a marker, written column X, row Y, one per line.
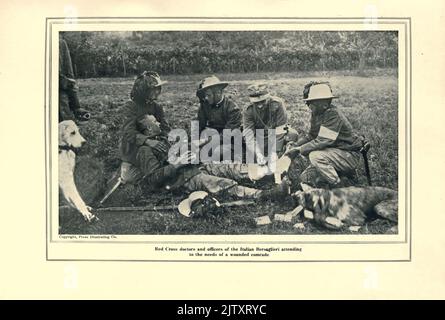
column 281, row 129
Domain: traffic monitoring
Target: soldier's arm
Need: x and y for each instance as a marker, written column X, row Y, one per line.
column 131, row 134
column 311, row 135
column 233, row 115
column 280, row 122
column 164, row 125
column 303, row 140
column 280, row 114
column 202, row 118
column 327, row 135
column 249, row 128
column 130, row 131
column 142, row 139
column 249, row 135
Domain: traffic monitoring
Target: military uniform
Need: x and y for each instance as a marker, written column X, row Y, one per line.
column 133, row 140
column 272, row 115
column 332, row 147
column 154, row 172
column 223, row 115
column 68, row 100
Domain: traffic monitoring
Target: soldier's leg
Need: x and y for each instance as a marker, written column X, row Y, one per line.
column 237, row 172
column 214, row 185
column 146, row 160
column 295, row 173
column 280, row 144
column 65, row 112
column 331, row 162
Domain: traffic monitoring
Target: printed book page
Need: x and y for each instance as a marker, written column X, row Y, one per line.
column 160, row 144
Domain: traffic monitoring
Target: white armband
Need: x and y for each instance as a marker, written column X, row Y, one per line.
column 327, row 133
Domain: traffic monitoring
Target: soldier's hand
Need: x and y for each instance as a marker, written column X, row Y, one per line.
column 184, row 159
column 161, row 146
column 293, row 152
column 151, row 142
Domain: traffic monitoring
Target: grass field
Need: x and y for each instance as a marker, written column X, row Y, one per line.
column 370, row 103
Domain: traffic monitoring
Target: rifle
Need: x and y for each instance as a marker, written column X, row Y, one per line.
column 364, row 151
column 142, row 209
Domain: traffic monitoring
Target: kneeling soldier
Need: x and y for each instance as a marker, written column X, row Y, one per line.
column 331, row 145
column 265, row 112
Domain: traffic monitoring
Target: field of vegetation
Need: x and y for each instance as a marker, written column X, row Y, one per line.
column 120, row 54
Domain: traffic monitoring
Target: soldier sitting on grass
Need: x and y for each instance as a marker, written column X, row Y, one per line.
column 217, row 111
column 144, row 152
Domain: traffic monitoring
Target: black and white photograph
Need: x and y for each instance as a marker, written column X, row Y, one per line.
column 271, row 132
column 222, row 150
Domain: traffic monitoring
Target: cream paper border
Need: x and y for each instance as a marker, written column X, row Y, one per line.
column 25, row 272
column 219, row 248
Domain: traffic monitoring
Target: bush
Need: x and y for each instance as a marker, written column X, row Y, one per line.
column 96, row 54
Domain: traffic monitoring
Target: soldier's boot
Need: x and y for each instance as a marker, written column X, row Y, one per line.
column 347, row 180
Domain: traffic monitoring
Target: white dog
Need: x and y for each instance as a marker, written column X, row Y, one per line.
column 69, row 140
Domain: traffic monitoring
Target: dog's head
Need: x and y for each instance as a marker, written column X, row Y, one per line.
column 69, row 134
column 315, row 200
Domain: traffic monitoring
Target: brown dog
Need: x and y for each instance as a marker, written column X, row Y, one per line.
column 350, row 206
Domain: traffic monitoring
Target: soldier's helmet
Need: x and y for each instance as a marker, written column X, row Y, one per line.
column 144, row 82
column 258, row 92
column 317, row 90
column 200, row 204
column 209, row 82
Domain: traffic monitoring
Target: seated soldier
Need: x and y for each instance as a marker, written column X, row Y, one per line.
column 144, row 95
column 331, row 145
column 217, row 111
column 265, row 112
column 150, row 127
column 144, row 151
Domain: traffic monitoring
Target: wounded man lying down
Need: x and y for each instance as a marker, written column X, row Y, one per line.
column 152, row 171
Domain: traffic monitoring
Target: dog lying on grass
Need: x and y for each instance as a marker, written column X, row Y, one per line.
column 349, row 206
column 70, row 140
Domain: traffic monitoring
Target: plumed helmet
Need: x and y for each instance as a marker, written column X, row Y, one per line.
column 143, row 83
